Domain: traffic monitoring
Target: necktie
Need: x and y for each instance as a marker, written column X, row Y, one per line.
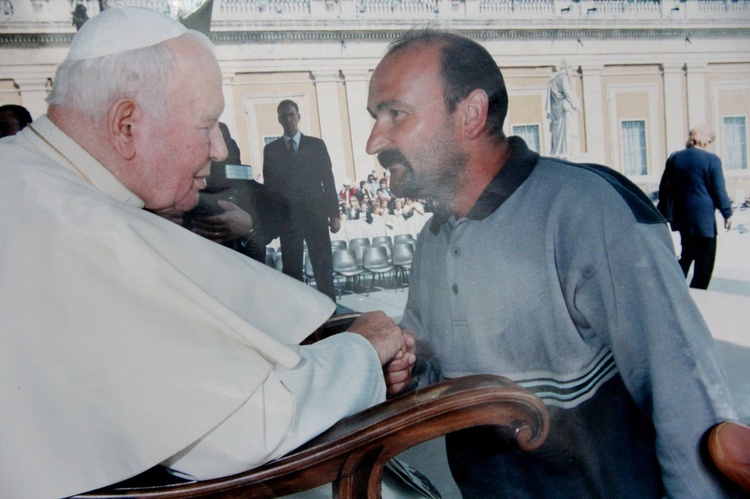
column 292, row 146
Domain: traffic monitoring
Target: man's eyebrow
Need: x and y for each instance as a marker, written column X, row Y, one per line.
column 383, row 105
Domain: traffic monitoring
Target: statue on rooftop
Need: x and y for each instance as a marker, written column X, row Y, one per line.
column 562, row 109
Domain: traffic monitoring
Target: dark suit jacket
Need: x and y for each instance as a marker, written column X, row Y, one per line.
column 254, row 198
column 691, row 189
column 305, row 180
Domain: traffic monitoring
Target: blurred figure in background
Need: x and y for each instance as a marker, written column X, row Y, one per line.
column 234, row 209
column 13, row 119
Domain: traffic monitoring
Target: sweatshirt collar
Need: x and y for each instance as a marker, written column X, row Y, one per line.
column 514, row 172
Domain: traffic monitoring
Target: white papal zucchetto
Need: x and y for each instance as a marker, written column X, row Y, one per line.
column 121, row 29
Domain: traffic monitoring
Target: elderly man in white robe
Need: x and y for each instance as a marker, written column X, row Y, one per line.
column 128, row 341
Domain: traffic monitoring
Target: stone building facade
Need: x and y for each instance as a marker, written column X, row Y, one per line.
column 643, row 71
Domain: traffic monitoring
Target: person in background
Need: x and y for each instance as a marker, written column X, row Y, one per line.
column 372, row 185
column 343, row 211
column 383, row 191
column 354, row 209
column 235, row 210
column 691, row 190
column 348, row 191
column 411, row 208
column 362, row 190
column 559, row 276
column 13, row 119
column 297, row 168
column 128, row 341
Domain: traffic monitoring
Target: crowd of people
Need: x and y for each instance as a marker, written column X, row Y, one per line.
column 374, row 199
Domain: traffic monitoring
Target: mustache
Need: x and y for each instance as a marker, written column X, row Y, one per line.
column 389, row 157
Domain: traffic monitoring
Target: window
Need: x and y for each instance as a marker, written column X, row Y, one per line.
column 529, row 134
column 734, row 138
column 634, row 148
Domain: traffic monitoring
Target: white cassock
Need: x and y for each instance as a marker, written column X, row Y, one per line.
column 128, row 341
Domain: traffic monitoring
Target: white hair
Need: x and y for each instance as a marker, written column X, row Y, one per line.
column 701, row 136
column 91, row 86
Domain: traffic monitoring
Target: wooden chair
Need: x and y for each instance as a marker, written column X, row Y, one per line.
column 352, row 453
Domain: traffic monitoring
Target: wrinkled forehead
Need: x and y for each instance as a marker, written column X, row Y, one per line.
column 197, row 77
column 406, row 70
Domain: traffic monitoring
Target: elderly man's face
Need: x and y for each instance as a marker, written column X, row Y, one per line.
column 414, row 136
column 177, row 150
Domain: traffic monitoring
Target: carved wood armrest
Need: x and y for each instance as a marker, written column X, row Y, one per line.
column 353, row 452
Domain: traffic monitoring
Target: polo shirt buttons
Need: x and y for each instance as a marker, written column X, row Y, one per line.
column 455, row 251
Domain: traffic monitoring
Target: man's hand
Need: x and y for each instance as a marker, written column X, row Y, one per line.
column 335, row 225
column 729, row 447
column 382, row 332
column 728, row 224
column 233, row 224
column 398, row 371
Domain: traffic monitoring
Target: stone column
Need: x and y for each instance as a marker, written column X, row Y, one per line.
column 229, row 116
column 696, row 94
column 674, row 106
column 33, row 90
column 359, row 122
column 329, row 112
column 593, row 106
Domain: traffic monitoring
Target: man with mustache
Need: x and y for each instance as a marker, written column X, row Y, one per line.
column 559, row 276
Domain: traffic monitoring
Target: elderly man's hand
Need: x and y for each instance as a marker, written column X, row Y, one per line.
column 382, row 332
column 233, row 224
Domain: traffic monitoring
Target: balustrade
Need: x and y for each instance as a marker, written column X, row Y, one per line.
column 510, row 7
column 233, row 13
column 615, row 8
column 272, row 8
column 721, row 8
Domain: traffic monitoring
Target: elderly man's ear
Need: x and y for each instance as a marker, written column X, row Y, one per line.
column 123, row 117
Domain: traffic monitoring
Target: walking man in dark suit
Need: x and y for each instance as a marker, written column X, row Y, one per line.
column 692, row 188
column 298, row 168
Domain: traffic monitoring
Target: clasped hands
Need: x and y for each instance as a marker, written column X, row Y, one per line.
column 234, row 223
column 396, row 348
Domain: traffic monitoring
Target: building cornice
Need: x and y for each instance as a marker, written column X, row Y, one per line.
column 390, row 32
column 35, row 40
column 479, row 33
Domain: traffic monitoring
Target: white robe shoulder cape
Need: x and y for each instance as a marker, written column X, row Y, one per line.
column 125, row 337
